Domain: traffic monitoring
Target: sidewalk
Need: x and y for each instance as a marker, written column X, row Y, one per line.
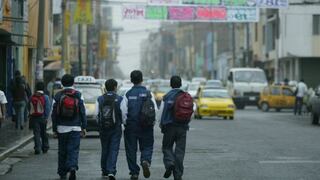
column 12, row 138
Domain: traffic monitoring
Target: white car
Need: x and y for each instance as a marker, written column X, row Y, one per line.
column 193, row 88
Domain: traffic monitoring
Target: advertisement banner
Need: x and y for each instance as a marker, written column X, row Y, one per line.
column 83, row 14
column 243, row 14
column 156, row 12
column 211, row 13
column 275, row 4
column 182, row 13
column 133, row 12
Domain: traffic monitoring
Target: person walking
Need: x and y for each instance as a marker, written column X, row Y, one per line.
column 176, row 110
column 3, row 111
column 109, row 120
column 301, row 91
column 69, row 124
column 50, row 87
column 19, row 93
column 39, row 109
column 138, row 114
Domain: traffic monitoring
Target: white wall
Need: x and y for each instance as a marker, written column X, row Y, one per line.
column 296, row 30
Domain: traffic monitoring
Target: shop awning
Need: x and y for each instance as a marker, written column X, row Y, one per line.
column 53, row 66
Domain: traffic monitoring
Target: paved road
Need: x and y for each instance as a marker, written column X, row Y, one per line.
column 254, row 146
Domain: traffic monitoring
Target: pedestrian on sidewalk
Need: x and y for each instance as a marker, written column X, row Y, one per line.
column 19, row 93
column 109, row 120
column 69, row 124
column 3, row 111
column 39, row 107
column 301, row 91
column 138, row 114
column 176, row 110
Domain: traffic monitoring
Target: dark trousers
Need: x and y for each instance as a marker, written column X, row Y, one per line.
column 110, row 143
column 68, row 152
column 298, row 105
column 174, row 134
column 145, row 139
column 19, row 108
column 41, row 142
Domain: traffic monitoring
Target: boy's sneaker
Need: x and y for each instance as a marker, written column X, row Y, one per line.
column 45, row 151
column 105, row 175
column 145, row 167
column 168, row 172
column 63, row 177
column 134, row 177
column 111, row 177
column 36, row 152
column 72, row 175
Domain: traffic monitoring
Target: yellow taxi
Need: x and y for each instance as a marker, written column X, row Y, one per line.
column 90, row 91
column 277, row 97
column 214, row 102
column 160, row 92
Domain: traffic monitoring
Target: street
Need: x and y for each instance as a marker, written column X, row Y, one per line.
column 255, row 146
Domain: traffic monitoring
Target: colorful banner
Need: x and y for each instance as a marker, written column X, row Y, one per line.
column 157, row 12
column 275, row 4
column 133, row 12
column 83, row 14
column 191, row 13
column 181, row 13
column 244, row 14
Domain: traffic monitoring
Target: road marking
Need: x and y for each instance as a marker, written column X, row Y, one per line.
column 290, row 162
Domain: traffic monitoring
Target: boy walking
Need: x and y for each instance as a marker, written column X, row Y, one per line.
column 69, row 124
column 109, row 120
column 3, row 111
column 138, row 115
column 39, row 109
column 176, row 110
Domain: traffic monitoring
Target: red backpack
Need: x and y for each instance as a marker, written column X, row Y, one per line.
column 37, row 103
column 183, row 108
column 69, row 104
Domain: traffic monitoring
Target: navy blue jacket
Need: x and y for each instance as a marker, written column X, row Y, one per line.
column 78, row 120
column 167, row 116
column 132, row 105
column 117, row 108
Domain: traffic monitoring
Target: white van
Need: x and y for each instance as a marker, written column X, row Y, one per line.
column 245, row 85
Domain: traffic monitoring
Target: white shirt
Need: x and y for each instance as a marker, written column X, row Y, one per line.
column 302, row 89
column 3, row 99
column 124, row 107
column 66, row 129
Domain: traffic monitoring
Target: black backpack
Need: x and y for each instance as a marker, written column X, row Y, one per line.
column 148, row 112
column 107, row 112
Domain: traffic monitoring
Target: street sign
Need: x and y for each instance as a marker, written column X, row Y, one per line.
column 83, row 14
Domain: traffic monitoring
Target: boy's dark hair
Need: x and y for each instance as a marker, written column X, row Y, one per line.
column 175, row 82
column 40, row 86
column 136, row 77
column 67, row 80
column 111, row 84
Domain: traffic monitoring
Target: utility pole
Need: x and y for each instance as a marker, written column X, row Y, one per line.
column 79, row 48
column 64, row 35
column 40, row 41
column 233, row 45
column 247, row 62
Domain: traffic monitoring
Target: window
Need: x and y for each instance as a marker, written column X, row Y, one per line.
column 316, row 24
column 256, row 32
column 275, row 91
column 287, row 92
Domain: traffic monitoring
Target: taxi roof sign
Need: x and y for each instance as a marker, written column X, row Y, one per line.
column 85, row 79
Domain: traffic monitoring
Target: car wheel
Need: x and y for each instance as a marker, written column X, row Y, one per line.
column 240, row 106
column 231, row 117
column 225, row 117
column 315, row 119
column 265, row 107
column 278, row 109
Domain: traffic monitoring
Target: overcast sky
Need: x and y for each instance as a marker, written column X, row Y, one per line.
column 134, row 32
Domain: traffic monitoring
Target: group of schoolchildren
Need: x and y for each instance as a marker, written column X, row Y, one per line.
column 136, row 111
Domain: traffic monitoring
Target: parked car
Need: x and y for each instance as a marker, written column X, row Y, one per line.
column 277, row 97
column 214, row 83
column 193, row 88
column 315, row 106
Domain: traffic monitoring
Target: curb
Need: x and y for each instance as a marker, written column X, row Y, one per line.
column 18, row 145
